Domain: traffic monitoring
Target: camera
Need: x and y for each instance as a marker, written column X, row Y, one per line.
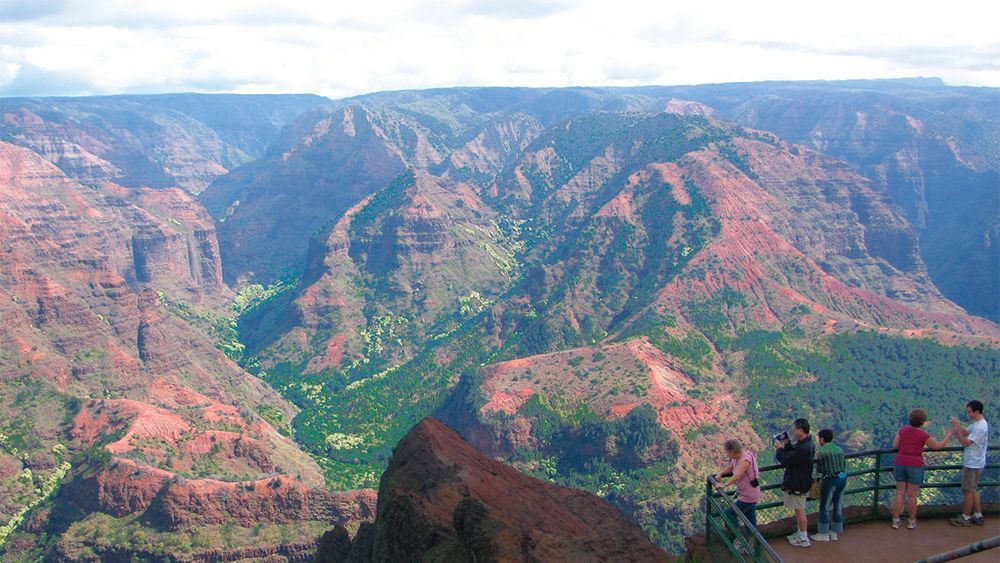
column 780, row 436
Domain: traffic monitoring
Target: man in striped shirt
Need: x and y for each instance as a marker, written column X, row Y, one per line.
column 832, row 468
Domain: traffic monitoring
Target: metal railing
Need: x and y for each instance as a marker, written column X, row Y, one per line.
column 745, row 545
column 742, row 541
column 988, row 543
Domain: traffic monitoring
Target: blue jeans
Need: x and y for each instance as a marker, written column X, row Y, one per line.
column 831, row 493
column 747, row 508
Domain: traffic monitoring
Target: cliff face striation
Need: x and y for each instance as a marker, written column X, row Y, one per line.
column 932, row 150
column 443, row 500
column 133, row 416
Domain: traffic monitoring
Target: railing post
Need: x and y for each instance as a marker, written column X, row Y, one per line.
column 708, row 511
column 878, row 483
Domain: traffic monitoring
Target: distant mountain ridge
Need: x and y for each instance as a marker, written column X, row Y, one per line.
column 919, row 138
column 163, row 140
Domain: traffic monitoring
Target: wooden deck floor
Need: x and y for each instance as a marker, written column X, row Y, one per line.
column 877, row 542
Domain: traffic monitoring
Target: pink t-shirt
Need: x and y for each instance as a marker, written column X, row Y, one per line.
column 911, row 446
column 744, row 490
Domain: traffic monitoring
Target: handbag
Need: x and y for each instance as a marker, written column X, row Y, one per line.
column 814, row 490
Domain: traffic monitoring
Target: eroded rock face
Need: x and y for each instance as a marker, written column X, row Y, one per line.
column 171, row 426
column 442, row 499
column 181, row 140
column 928, row 150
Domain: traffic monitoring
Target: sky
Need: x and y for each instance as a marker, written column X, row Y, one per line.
column 338, row 49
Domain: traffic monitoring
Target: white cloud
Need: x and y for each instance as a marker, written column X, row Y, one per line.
column 338, row 49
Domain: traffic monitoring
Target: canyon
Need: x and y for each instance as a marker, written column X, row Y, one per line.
column 226, row 318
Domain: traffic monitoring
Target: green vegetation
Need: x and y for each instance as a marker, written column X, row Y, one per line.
column 694, row 352
column 352, row 419
column 866, row 381
column 99, row 535
column 252, row 296
column 43, row 492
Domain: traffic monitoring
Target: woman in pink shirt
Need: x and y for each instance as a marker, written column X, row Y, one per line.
column 741, row 464
column 909, row 466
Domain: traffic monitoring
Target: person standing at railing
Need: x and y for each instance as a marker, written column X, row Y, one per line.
column 832, row 467
column 974, row 440
column 797, row 459
column 909, row 465
column 741, row 466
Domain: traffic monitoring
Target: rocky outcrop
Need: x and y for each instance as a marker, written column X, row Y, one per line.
column 442, row 500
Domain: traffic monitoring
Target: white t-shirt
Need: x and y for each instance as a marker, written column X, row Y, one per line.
column 974, row 455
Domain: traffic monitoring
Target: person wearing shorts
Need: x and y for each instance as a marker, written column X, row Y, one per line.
column 797, row 459
column 974, row 440
column 908, row 468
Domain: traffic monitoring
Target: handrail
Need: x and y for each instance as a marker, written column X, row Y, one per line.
column 874, row 486
column 868, row 453
column 988, row 543
column 746, row 522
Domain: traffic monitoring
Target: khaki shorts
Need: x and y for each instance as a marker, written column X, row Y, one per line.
column 970, row 479
column 795, row 502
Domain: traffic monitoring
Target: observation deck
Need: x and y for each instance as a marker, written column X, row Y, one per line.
column 867, row 535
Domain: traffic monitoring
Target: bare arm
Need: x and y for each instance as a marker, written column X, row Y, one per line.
column 741, row 469
column 961, row 433
column 936, row 445
column 895, row 441
column 724, row 470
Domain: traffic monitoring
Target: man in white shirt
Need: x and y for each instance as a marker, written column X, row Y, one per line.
column 974, row 440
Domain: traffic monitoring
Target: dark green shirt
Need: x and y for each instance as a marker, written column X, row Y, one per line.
column 830, row 460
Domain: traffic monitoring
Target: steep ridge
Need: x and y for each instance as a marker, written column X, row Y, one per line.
column 442, row 500
column 426, row 251
column 931, row 149
column 161, row 424
column 169, row 140
column 331, row 158
column 326, row 163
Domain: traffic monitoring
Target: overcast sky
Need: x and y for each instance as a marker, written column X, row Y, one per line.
column 74, row 47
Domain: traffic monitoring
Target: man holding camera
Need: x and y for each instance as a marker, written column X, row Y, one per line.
column 974, row 439
column 797, row 459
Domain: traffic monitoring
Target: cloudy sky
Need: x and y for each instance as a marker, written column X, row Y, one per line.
column 74, row 47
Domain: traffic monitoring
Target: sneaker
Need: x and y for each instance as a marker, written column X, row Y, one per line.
column 823, row 536
column 895, row 523
column 961, row 520
column 979, row 520
column 792, row 536
column 911, row 524
column 800, row 541
column 833, row 536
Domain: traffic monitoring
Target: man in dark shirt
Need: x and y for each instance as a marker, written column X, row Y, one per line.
column 797, row 459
